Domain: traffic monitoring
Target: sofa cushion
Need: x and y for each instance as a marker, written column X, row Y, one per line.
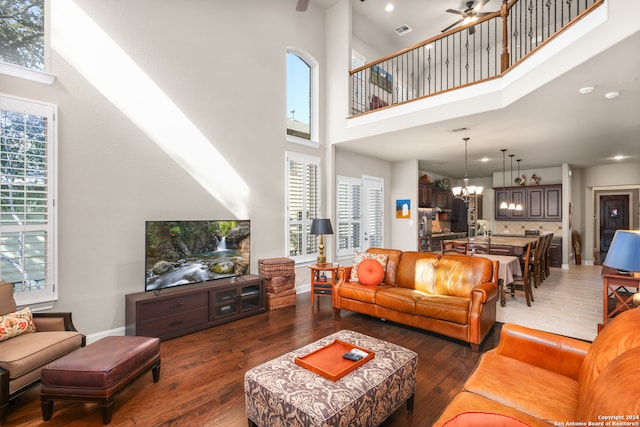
column 417, row 270
column 399, row 299
column 7, row 303
column 483, row 419
column 535, row 391
column 359, row 292
column 444, row 307
column 27, row 352
column 16, row 323
column 465, row 402
column 615, row 391
column 370, row 272
column 393, row 259
column 454, row 277
column 620, row 335
column 359, row 257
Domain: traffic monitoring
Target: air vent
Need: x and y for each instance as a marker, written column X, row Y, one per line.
column 403, row 29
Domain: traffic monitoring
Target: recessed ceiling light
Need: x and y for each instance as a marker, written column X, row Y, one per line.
column 611, row 95
column 388, row 7
column 484, row 159
column 585, row 90
column 619, row 157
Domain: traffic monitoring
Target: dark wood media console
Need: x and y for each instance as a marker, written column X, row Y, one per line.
column 178, row 311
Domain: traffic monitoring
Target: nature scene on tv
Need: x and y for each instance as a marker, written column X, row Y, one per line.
column 184, row 252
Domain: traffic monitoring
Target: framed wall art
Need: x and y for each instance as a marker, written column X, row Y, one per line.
column 382, row 78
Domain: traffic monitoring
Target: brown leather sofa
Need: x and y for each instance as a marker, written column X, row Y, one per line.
column 539, row 378
column 22, row 357
column 453, row 295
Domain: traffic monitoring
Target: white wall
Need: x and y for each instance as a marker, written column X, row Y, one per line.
column 223, row 65
column 404, row 185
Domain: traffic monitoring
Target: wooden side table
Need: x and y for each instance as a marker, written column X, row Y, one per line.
column 617, row 291
column 323, row 277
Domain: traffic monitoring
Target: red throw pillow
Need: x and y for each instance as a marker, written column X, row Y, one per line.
column 370, row 272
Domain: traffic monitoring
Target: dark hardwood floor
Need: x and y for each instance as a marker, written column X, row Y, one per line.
column 201, row 379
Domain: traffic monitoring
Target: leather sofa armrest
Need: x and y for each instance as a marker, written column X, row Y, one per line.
column 46, row 322
column 489, row 290
column 546, row 350
column 344, row 273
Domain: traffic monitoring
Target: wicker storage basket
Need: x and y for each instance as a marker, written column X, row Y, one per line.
column 274, row 267
column 280, row 284
column 283, row 299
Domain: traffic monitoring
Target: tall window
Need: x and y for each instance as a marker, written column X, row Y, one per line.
column 360, row 214
column 302, row 97
column 303, row 205
column 22, row 33
column 27, row 194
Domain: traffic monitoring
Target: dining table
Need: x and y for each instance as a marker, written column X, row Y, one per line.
column 511, row 248
column 508, row 268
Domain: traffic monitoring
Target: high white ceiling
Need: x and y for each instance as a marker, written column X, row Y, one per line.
column 554, row 124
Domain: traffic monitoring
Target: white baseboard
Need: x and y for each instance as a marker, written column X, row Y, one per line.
column 303, row 288
column 117, row 332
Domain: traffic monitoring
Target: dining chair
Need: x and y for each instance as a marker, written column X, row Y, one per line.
column 524, row 281
column 536, row 261
column 481, row 245
column 454, row 247
column 546, row 260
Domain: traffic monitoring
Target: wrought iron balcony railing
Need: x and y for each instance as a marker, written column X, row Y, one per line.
column 477, row 52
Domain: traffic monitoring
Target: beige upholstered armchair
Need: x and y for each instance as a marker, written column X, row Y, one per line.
column 23, row 352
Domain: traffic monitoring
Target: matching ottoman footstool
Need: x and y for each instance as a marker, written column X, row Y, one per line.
column 98, row 372
column 282, row 393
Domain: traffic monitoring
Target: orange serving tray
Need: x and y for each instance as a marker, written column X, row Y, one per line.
column 328, row 361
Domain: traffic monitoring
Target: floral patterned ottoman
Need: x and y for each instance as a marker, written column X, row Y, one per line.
column 281, row 393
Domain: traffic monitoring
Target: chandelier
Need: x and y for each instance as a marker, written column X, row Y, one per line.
column 466, row 192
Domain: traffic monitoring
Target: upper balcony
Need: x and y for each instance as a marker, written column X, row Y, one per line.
column 457, row 79
column 479, row 51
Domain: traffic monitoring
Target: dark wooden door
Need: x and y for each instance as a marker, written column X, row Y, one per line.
column 614, row 215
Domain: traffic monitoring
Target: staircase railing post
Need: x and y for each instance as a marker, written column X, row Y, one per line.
column 504, row 57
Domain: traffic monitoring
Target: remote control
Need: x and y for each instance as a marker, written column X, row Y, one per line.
column 359, row 352
column 351, row 356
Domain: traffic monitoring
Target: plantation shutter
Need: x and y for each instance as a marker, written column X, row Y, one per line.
column 27, row 212
column 374, row 205
column 349, row 217
column 303, row 205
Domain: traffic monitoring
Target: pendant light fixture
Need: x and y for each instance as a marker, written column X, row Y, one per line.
column 468, row 191
column 519, row 205
column 512, row 206
column 503, row 205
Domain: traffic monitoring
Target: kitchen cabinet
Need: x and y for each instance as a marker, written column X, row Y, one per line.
column 430, row 196
column 424, row 195
column 515, row 195
column 555, row 252
column 540, row 203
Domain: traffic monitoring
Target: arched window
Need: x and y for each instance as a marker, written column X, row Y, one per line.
column 301, row 97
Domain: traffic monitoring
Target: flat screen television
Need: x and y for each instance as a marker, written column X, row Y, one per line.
column 184, row 252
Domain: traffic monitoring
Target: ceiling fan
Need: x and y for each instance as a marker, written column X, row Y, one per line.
column 470, row 14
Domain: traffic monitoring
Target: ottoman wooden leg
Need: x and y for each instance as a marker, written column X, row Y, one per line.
column 410, row 403
column 155, row 370
column 47, row 409
column 106, row 412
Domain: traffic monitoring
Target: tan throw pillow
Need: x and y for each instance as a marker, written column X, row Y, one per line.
column 14, row 324
column 361, row 256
